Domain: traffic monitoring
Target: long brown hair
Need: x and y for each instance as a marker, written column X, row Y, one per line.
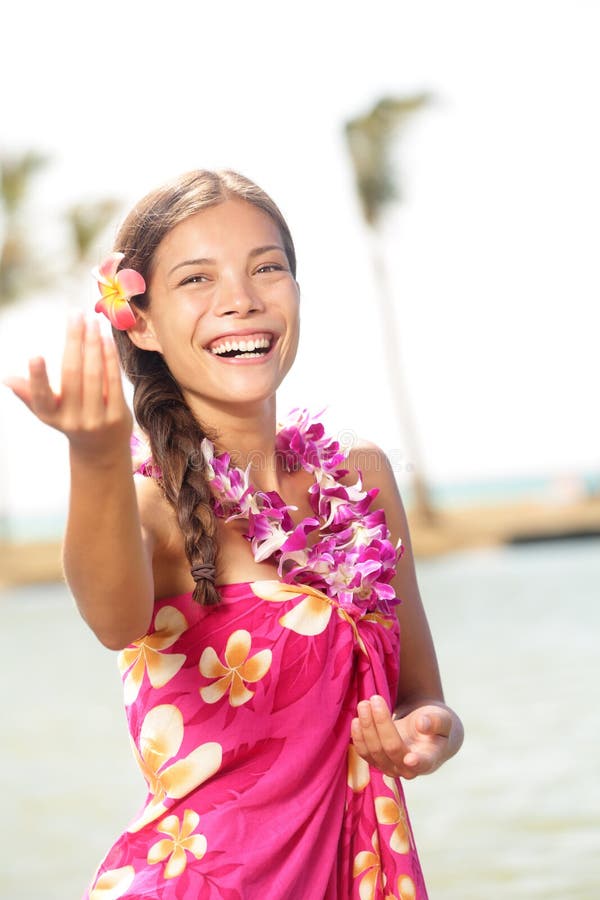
column 174, row 432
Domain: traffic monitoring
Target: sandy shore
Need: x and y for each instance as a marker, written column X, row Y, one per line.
column 490, row 525
column 29, row 563
column 452, row 530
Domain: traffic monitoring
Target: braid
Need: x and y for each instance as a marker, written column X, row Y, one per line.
column 174, row 432
column 175, row 437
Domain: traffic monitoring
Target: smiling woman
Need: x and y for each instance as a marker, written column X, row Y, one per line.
column 253, row 593
column 235, row 280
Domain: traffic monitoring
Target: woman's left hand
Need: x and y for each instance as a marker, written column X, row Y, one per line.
column 416, row 744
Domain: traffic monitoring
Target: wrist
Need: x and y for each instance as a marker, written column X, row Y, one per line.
column 408, row 706
column 97, row 455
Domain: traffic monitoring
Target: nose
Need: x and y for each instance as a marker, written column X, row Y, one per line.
column 238, row 296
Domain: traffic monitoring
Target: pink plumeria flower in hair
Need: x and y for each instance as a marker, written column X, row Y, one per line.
column 117, row 288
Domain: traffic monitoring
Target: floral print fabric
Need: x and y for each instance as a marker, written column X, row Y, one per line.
column 240, row 723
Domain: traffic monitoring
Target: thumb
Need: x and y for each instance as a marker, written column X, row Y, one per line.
column 20, row 387
column 434, row 722
column 424, row 724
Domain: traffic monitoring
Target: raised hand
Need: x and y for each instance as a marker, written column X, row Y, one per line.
column 106, row 561
column 90, row 408
column 416, row 744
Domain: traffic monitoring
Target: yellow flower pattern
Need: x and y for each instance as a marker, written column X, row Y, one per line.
column 406, row 889
column 161, row 737
column 391, row 811
column 312, row 615
column 145, row 655
column 113, row 884
column 238, row 668
column 218, row 703
column 179, row 841
column 367, row 864
column 309, row 617
column 359, row 773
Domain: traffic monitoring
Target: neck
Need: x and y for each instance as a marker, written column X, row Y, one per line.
column 247, row 432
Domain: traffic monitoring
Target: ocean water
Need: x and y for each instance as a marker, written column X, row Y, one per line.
column 516, row 814
column 557, row 487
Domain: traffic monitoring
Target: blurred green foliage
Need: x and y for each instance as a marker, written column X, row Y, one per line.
column 370, row 139
column 22, row 268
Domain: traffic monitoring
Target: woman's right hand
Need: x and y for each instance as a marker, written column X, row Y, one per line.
column 107, row 558
column 90, row 408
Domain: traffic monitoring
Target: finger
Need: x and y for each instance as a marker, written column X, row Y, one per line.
column 422, row 761
column 112, row 372
column 392, row 767
column 20, row 388
column 413, row 761
column 412, row 766
column 392, row 741
column 43, row 400
column 372, row 738
column 71, row 373
column 93, row 375
column 435, row 721
column 388, row 733
column 359, row 741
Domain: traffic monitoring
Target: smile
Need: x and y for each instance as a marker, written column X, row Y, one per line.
column 247, row 349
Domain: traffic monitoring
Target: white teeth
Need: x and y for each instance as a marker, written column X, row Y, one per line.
column 241, row 345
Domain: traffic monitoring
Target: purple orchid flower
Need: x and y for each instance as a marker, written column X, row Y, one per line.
column 354, row 559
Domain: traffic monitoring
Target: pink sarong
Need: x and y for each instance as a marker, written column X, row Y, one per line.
column 240, row 722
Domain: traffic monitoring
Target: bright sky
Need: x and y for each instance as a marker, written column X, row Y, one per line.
column 493, row 254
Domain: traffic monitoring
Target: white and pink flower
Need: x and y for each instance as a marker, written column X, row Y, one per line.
column 354, row 559
column 116, row 290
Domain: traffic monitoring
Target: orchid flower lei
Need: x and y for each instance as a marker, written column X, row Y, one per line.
column 354, row 559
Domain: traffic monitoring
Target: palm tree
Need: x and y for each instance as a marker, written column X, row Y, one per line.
column 20, row 270
column 16, row 269
column 369, row 139
column 86, row 222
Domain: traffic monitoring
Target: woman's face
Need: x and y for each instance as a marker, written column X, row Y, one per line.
column 219, row 277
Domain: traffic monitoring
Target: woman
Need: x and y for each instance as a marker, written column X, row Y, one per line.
column 246, row 573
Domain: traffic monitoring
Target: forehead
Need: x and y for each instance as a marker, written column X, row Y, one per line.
column 232, row 226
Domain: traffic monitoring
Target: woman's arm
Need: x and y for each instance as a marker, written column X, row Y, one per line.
column 421, row 732
column 107, row 554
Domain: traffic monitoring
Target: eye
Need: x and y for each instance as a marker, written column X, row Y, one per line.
column 194, row 279
column 267, row 266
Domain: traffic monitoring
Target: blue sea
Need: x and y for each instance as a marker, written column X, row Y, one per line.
column 446, row 494
column 516, row 814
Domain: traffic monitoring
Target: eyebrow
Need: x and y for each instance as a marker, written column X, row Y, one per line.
column 204, row 261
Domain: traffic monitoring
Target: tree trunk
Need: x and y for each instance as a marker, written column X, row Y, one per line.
column 423, row 506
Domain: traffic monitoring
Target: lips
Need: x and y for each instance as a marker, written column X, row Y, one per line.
column 245, row 360
column 246, row 335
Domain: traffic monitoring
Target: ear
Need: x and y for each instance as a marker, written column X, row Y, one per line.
column 142, row 333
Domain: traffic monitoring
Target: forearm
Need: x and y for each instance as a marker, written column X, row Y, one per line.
column 105, row 561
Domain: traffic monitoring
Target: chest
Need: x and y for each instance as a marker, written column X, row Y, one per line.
column 235, row 563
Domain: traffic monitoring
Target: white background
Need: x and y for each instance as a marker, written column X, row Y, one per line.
column 493, row 253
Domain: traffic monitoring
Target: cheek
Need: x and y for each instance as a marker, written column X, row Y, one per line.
column 178, row 326
column 292, row 341
column 292, row 306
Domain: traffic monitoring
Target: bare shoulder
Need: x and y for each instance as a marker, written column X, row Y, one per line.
column 163, row 539
column 377, row 472
column 149, row 496
column 157, row 516
column 419, row 676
